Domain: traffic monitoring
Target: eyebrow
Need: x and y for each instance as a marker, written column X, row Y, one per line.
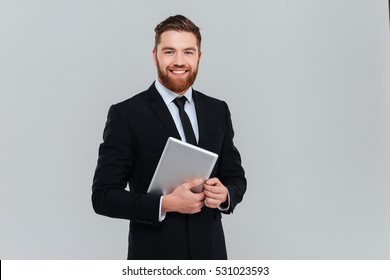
column 186, row 49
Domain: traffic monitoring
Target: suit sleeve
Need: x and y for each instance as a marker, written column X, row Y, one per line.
column 230, row 171
column 113, row 171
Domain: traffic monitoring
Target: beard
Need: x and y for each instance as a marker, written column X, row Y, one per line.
column 177, row 84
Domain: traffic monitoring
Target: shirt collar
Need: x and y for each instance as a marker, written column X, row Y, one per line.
column 168, row 95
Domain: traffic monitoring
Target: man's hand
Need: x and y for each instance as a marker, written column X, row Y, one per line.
column 216, row 193
column 183, row 200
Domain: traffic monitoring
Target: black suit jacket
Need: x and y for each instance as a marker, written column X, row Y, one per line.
column 134, row 137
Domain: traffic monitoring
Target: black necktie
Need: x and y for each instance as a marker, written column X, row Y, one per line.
column 185, row 120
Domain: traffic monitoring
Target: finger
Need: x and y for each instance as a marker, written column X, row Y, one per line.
column 213, row 189
column 198, row 207
column 210, row 194
column 200, row 196
column 194, row 183
column 213, row 181
column 211, row 203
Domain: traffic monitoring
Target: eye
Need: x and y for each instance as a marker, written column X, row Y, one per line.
column 188, row 53
column 168, row 52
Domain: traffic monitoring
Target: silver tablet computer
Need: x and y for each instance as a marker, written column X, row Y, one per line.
column 181, row 163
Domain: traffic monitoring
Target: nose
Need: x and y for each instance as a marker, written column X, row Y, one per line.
column 179, row 59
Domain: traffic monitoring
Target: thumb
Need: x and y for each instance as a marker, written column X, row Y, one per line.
column 195, row 183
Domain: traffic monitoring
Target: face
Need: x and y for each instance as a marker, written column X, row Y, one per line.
column 177, row 58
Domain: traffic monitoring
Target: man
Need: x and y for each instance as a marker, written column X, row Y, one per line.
column 182, row 224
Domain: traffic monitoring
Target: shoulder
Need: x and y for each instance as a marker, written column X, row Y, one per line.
column 205, row 97
column 133, row 101
column 209, row 101
column 136, row 102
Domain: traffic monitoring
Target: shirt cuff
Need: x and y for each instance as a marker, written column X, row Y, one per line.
column 224, row 209
column 161, row 215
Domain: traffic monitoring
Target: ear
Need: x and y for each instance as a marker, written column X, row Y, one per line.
column 155, row 57
column 200, row 55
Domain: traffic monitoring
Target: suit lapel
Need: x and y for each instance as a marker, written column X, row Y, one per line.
column 201, row 117
column 160, row 108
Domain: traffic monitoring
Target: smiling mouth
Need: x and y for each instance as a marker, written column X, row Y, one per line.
column 178, row 72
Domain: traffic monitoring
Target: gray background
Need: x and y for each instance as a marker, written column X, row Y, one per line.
column 308, row 87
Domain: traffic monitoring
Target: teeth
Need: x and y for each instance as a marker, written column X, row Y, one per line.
column 179, row 72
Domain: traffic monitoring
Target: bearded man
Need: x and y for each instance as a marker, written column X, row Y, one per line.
column 182, row 224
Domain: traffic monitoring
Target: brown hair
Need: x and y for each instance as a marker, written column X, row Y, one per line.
column 177, row 23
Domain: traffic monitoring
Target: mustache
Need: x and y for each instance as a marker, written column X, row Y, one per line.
column 179, row 67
